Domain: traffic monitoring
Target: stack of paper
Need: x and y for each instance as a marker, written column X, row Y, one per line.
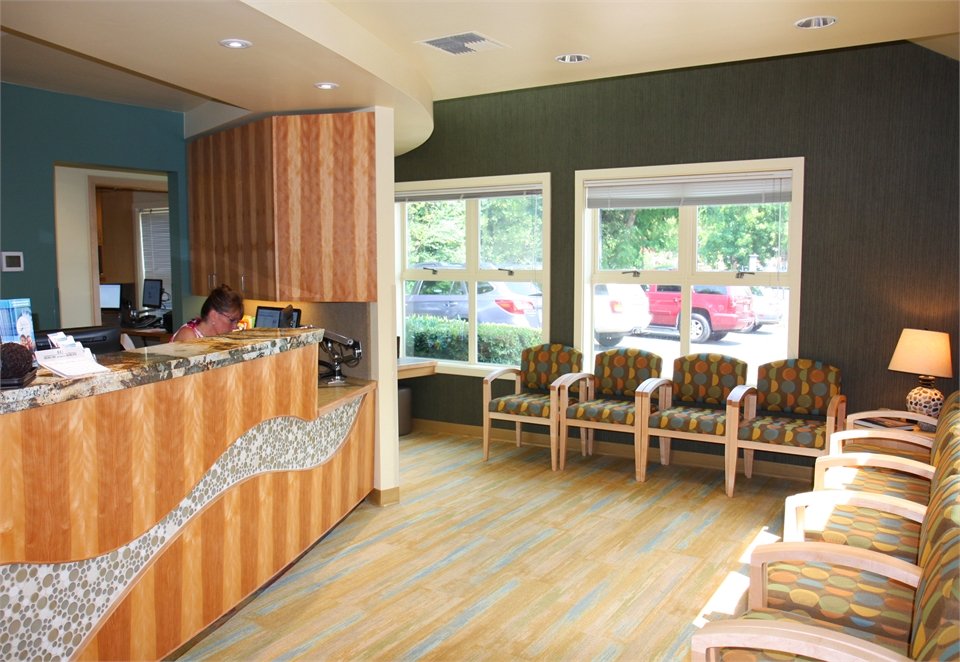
column 68, row 358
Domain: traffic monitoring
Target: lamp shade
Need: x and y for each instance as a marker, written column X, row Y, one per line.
column 921, row 352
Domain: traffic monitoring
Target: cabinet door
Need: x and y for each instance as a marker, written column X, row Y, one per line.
column 231, row 212
column 201, row 194
column 325, row 207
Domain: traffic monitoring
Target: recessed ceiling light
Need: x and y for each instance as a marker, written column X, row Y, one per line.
column 326, row 86
column 235, row 43
column 815, row 22
column 572, row 58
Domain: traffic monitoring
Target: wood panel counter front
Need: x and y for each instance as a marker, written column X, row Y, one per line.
column 139, row 506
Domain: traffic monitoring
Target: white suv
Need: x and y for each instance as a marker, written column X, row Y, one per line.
column 619, row 310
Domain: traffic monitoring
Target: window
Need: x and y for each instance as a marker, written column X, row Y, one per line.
column 691, row 258
column 155, row 248
column 474, row 269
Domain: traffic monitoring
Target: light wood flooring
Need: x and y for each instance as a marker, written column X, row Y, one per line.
column 507, row 560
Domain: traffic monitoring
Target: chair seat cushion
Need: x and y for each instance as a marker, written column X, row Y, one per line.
column 865, row 528
column 535, row 405
column 689, row 419
column 749, row 655
column 879, row 481
column 917, row 453
column 845, row 596
column 785, row 431
column 603, row 410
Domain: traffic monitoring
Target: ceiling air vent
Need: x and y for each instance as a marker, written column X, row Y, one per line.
column 460, row 44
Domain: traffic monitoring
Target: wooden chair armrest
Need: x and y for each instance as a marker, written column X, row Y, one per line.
column 561, row 385
column 496, row 374
column 795, row 506
column 877, row 460
column 787, row 637
column 838, row 439
column 653, row 383
column 642, row 396
column 836, row 413
column 890, row 413
column 829, row 553
column 739, row 392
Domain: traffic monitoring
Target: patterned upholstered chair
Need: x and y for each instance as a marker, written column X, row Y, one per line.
column 833, row 602
column 534, row 399
column 794, row 408
column 609, row 400
column 906, row 473
column 695, row 406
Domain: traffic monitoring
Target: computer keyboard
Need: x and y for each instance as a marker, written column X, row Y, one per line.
column 144, row 322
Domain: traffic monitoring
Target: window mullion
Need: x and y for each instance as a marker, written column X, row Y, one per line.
column 473, row 271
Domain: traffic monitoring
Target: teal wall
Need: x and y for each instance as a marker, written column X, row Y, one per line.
column 878, row 127
column 41, row 129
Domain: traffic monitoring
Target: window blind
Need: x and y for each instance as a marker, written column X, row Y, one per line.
column 155, row 245
column 732, row 189
column 468, row 193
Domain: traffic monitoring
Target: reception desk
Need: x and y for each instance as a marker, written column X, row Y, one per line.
column 140, row 505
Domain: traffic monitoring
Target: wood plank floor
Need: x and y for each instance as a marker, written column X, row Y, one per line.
column 507, row 560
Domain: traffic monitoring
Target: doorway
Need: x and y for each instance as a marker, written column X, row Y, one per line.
column 79, row 236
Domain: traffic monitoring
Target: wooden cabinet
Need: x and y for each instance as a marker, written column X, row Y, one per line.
column 284, row 209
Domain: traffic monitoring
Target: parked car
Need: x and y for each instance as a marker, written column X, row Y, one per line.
column 518, row 303
column 717, row 310
column 768, row 306
column 618, row 311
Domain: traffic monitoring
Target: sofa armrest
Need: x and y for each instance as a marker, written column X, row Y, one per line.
column 839, row 439
column 876, row 460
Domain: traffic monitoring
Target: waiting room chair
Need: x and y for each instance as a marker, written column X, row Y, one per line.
column 609, row 400
column 534, row 399
column 794, row 408
column 695, row 406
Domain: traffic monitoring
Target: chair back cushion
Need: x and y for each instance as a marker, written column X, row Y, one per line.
column 707, row 378
column 797, row 386
column 943, row 513
column 543, row 364
column 951, row 403
column 948, row 427
column 620, row 372
column 937, row 601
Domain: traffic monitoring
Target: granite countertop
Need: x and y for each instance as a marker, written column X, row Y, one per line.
column 157, row 363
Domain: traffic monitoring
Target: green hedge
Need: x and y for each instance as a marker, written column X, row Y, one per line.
column 439, row 338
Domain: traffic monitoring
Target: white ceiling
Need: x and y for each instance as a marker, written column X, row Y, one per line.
column 165, row 53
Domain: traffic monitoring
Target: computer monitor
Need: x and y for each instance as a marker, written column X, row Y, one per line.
column 269, row 317
column 152, row 292
column 99, row 339
column 110, row 296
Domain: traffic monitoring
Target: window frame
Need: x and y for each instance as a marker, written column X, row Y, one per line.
column 587, row 246
column 472, row 273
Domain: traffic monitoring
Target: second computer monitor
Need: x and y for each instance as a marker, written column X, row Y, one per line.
column 110, row 296
column 269, row 317
column 152, row 292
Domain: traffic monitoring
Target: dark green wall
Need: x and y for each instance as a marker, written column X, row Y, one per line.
column 878, row 127
column 41, row 129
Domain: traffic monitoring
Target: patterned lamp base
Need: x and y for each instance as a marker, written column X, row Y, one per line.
column 925, row 400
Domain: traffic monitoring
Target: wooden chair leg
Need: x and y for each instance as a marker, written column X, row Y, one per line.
column 641, row 448
column 553, row 443
column 748, row 462
column 564, row 431
column 664, row 451
column 730, row 466
column 590, row 441
column 486, row 435
column 519, row 428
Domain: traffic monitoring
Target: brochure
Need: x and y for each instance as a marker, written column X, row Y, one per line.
column 68, row 358
column 16, row 322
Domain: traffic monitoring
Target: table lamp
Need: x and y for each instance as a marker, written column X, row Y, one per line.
column 927, row 354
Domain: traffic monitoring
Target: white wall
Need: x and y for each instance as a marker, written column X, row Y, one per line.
column 76, row 209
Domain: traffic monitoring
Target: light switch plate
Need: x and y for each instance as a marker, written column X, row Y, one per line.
column 11, row 261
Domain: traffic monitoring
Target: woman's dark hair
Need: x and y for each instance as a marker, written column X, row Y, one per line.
column 223, row 300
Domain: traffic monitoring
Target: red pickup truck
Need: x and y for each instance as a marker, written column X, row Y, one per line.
column 717, row 310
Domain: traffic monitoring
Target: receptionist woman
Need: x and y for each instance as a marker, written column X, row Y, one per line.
column 221, row 313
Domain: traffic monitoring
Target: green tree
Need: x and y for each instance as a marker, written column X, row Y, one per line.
column 511, row 231
column 436, row 232
column 727, row 235
column 639, row 238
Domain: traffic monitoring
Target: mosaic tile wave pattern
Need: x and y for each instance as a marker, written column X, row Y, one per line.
column 48, row 610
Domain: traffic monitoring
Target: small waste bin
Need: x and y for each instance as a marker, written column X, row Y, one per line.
column 404, row 407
